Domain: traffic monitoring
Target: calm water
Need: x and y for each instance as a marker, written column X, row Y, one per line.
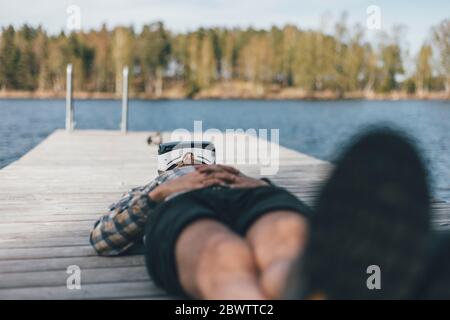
column 315, row 128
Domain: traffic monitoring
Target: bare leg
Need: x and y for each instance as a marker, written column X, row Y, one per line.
column 215, row 263
column 277, row 239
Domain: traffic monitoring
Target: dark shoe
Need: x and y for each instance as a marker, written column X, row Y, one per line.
column 435, row 283
column 372, row 224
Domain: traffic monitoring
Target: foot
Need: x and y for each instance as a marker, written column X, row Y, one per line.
column 436, row 282
column 370, row 232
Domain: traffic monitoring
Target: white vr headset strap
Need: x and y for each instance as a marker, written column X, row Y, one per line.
column 166, row 160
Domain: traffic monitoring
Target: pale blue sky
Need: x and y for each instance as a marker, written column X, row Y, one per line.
column 182, row 15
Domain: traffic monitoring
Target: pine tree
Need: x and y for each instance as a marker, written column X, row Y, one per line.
column 9, row 59
column 423, row 69
column 441, row 37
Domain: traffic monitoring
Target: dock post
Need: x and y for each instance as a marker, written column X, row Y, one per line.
column 69, row 102
column 124, row 123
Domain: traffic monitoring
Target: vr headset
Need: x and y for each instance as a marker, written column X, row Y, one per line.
column 171, row 154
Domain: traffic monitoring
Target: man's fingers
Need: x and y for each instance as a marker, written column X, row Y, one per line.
column 212, row 182
column 208, row 168
column 242, row 185
column 203, row 167
column 229, row 169
column 224, row 176
column 217, row 168
column 239, row 185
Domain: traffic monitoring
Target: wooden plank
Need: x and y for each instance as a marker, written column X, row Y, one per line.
column 53, row 252
column 59, row 277
column 55, row 264
column 45, row 242
column 120, row 290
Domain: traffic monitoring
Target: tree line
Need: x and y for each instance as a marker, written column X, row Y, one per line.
column 312, row 60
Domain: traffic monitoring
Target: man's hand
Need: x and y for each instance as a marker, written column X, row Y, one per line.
column 205, row 176
column 217, row 168
column 243, row 181
column 237, row 180
column 191, row 181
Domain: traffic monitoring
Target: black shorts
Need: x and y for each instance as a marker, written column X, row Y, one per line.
column 236, row 208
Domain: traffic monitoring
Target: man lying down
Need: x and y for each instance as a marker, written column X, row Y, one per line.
column 210, row 232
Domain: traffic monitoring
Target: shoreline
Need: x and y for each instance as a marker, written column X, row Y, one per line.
column 287, row 94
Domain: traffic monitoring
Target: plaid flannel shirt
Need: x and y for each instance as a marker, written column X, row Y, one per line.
column 123, row 226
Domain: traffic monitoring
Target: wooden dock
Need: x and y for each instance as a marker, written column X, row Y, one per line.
column 51, row 197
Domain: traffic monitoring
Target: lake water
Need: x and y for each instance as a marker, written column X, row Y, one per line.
column 318, row 128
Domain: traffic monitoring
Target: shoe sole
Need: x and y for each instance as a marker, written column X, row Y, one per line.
column 435, row 283
column 369, row 235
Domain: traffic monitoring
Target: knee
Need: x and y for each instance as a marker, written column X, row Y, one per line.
column 278, row 235
column 273, row 278
column 225, row 259
column 226, row 251
column 282, row 222
column 288, row 220
column 292, row 226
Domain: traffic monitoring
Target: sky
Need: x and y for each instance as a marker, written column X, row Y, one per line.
column 185, row 15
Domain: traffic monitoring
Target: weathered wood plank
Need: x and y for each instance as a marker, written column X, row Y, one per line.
column 85, row 262
column 52, row 252
column 59, row 277
column 120, row 290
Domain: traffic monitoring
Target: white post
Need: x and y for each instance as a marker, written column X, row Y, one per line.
column 124, row 123
column 69, row 103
